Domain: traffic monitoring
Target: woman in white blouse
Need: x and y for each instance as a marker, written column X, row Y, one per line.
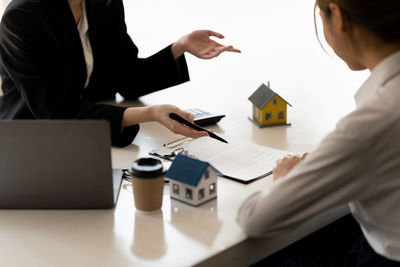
column 358, row 163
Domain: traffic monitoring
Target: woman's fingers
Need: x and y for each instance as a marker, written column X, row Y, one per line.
column 216, row 34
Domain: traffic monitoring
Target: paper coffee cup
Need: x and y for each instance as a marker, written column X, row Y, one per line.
column 148, row 183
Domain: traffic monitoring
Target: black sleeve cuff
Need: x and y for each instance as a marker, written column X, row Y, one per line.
column 113, row 114
column 125, row 137
column 181, row 66
column 163, row 71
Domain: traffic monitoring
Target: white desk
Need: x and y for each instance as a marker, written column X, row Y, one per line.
column 278, row 44
column 178, row 235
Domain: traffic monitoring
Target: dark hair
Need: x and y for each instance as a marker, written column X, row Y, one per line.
column 380, row 17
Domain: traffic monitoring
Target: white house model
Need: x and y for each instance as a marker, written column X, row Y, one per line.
column 192, row 181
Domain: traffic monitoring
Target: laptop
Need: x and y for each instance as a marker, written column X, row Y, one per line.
column 57, row 164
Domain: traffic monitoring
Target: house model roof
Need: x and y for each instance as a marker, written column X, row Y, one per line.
column 188, row 170
column 261, row 97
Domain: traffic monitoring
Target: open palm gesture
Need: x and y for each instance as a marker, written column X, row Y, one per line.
column 199, row 44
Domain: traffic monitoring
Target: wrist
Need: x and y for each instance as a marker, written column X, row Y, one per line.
column 132, row 116
column 177, row 49
column 151, row 113
column 125, row 119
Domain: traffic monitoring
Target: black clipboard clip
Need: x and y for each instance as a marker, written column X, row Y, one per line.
column 170, row 156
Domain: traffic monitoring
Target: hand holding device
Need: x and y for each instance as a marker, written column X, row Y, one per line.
column 204, row 118
column 178, row 118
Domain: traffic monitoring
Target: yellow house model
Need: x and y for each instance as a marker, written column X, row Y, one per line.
column 269, row 108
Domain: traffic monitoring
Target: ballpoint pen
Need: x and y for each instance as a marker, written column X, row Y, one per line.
column 178, row 118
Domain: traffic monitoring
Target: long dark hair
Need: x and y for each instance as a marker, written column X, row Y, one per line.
column 380, row 17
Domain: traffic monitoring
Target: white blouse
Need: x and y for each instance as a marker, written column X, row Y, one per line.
column 358, row 163
column 83, row 28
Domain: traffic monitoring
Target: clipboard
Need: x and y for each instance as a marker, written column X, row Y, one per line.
column 241, row 162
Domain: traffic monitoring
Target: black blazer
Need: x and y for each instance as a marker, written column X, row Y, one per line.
column 43, row 69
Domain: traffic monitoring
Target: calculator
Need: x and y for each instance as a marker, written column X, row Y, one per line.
column 204, row 118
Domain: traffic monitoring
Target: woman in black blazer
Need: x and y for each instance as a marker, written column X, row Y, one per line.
column 47, row 73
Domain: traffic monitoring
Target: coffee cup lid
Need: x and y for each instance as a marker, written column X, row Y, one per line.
column 146, row 168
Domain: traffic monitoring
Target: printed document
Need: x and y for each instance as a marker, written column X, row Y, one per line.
column 238, row 161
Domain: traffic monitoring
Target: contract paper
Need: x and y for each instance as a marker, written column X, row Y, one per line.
column 244, row 162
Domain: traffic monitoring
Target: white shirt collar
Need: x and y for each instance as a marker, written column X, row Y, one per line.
column 379, row 76
column 83, row 28
column 83, row 25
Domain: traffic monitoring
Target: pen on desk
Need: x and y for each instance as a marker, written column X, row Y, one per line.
column 178, row 118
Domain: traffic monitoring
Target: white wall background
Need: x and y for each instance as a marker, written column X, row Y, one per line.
column 3, row 5
column 278, row 43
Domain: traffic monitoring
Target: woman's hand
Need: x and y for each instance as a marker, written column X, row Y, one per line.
column 283, row 166
column 160, row 113
column 199, row 44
